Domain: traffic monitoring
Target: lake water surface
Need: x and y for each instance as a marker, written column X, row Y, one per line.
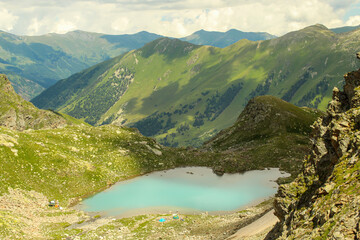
column 188, row 189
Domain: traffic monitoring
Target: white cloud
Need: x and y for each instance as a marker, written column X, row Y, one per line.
column 34, row 26
column 175, row 18
column 120, row 24
column 64, row 26
column 7, row 20
column 353, row 21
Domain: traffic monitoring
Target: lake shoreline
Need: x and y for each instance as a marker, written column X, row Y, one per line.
column 173, row 210
column 181, row 210
column 78, row 200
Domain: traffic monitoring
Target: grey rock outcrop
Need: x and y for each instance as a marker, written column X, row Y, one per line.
column 18, row 114
column 324, row 201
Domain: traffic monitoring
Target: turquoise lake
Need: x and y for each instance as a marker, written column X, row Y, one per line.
column 187, row 190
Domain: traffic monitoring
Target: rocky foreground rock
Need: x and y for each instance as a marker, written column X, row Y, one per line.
column 324, row 201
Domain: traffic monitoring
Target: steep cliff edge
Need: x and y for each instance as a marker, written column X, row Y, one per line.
column 324, row 201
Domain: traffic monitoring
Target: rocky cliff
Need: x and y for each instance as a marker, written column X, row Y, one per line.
column 324, row 201
column 18, row 114
column 270, row 132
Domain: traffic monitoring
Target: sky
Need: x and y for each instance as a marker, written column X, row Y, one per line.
column 173, row 18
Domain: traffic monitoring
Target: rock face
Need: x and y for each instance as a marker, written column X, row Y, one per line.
column 18, row 114
column 324, row 201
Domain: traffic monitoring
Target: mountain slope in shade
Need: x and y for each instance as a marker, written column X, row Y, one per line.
column 184, row 94
column 224, row 39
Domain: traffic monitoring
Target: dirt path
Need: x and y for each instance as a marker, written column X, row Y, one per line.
column 263, row 223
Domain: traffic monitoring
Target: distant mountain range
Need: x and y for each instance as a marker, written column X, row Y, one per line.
column 344, row 29
column 183, row 94
column 34, row 63
column 224, row 39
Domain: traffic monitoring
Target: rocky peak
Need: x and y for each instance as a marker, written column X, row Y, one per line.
column 324, row 201
column 18, row 114
column 269, row 132
column 264, row 117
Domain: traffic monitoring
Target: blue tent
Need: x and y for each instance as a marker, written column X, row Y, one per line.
column 162, row 220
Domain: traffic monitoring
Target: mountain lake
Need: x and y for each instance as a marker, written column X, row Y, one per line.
column 186, row 190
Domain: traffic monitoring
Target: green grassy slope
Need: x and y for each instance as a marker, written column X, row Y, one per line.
column 184, row 94
column 43, row 160
column 63, row 157
column 265, row 117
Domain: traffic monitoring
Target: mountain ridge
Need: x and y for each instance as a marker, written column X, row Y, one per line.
column 42, row 60
column 224, row 39
column 188, row 98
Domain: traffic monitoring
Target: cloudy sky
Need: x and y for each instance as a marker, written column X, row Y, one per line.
column 175, row 18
